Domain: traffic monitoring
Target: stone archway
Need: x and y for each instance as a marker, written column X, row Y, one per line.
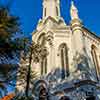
column 43, row 94
column 64, row 98
column 41, row 90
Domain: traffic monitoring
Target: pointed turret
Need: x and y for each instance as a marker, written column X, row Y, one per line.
column 74, row 11
column 78, row 43
column 51, row 8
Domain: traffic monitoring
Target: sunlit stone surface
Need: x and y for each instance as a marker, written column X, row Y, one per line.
column 65, row 57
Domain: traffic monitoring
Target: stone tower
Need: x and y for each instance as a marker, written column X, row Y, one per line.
column 51, row 8
column 56, row 36
column 72, row 49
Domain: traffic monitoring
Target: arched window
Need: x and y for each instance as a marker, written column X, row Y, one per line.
column 95, row 60
column 41, row 39
column 43, row 63
column 43, row 66
column 64, row 60
column 57, row 10
column 45, row 12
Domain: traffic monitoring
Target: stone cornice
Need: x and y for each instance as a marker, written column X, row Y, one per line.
column 56, row 20
column 90, row 34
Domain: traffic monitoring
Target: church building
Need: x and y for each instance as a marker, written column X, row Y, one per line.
column 66, row 57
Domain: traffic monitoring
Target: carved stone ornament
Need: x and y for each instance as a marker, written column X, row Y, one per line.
column 38, row 52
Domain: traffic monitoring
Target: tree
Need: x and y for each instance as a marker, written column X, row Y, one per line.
column 7, row 77
column 9, row 48
column 25, row 74
column 9, row 26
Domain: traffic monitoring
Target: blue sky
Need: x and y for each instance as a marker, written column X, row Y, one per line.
column 30, row 11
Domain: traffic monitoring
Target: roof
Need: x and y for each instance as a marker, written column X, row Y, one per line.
column 93, row 34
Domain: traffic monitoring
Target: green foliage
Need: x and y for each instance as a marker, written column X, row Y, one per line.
column 9, row 24
column 10, row 48
column 9, row 27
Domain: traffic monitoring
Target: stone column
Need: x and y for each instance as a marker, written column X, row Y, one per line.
column 79, row 55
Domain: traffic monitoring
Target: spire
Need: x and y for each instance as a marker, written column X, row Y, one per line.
column 73, row 11
column 51, row 8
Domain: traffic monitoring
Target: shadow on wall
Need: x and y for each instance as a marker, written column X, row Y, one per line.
column 64, row 98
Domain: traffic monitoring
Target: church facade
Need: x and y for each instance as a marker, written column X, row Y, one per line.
column 66, row 57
